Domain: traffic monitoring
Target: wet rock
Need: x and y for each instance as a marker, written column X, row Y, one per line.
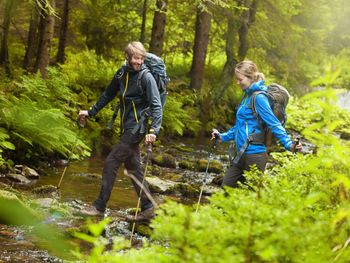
column 164, row 160
column 186, row 190
column 214, row 166
column 26, row 171
column 143, row 229
column 209, row 189
column 175, row 177
column 157, row 185
column 18, row 178
column 217, row 180
column 45, row 202
column 182, row 148
column 30, row 173
column 187, row 165
column 46, row 191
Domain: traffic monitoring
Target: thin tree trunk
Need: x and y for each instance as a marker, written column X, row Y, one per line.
column 4, row 53
column 158, row 29
column 248, row 17
column 32, row 42
column 203, row 23
column 63, row 33
column 143, row 26
column 229, row 68
column 46, row 35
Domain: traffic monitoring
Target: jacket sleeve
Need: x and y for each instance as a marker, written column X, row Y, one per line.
column 229, row 135
column 265, row 112
column 154, row 103
column 108, row 95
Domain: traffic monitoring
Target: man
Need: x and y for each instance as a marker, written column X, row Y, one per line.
column 133, row 103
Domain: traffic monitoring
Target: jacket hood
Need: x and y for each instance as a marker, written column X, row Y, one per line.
column 256, row 86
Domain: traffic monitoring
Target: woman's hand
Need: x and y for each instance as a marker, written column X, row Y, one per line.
column 215, row 135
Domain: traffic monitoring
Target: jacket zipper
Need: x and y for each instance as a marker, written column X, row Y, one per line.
column 126, row 87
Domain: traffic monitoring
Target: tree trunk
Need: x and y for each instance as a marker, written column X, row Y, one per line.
column 4, row 54
column 46, row 35
column 229, row 68
column 63, row 33
column 32, row 44
column 248, row 17
column 143, row 26
column 158, row 29
column 203, row 22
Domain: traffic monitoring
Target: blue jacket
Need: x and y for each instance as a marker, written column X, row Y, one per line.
column 247, row 124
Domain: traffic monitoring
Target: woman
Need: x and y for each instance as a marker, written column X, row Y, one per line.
column 251, row 80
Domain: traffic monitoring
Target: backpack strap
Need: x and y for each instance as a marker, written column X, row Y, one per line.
column 139, row 80
column 253, row 107
column 257, row 137
column 144, row 115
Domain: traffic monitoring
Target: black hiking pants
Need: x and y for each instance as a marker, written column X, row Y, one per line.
column 235, row 173
column 129, row 154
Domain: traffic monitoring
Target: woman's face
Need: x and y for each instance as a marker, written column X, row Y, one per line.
column 243, row 81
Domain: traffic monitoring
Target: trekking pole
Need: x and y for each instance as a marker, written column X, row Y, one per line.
column 149, row 152
column 81, row 123
column 296, row 142
column 206, row 170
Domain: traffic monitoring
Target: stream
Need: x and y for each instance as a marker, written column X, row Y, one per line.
column 80, row 186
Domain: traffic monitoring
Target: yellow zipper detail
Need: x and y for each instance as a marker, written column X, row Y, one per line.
column 126, row 87
column 135, row 112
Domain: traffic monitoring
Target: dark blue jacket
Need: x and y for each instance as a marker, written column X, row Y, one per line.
column 247, row 124
column 132, row 100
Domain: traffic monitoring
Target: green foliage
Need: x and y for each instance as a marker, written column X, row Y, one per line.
column 298, row 211
column 31, row 126
column 88, row 70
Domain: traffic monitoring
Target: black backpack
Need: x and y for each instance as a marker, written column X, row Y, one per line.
column 278, row 97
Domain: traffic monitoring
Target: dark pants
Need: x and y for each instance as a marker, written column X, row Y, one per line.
column 235, row 173
column 129, row 154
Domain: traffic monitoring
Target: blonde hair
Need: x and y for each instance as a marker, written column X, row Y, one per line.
column 250, row 70
column 134, row 48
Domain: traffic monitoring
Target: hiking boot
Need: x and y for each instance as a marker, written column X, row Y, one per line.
column 144, row 216
column 91, row 211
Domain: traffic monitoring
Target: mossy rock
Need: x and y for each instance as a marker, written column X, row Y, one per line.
column 164, row 160
column 186, row 190
column 143, row 229
column 187, row 165
column 175, row 177
column 224, row 158
column 46, row 191
column 14, row 211
column 214, row 166
column 182, row 148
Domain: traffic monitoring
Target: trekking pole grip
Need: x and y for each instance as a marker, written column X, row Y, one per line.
column 296, row 142
column 81, row 121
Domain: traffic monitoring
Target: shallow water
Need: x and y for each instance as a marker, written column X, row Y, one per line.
column 82, row 181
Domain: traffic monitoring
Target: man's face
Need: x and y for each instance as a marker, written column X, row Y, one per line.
column 243, row 81
column 136, row 61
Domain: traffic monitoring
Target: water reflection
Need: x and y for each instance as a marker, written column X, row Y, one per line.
column 82, row 181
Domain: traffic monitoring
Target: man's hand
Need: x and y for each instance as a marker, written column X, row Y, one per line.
column 82, row 115
column 150, row 138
